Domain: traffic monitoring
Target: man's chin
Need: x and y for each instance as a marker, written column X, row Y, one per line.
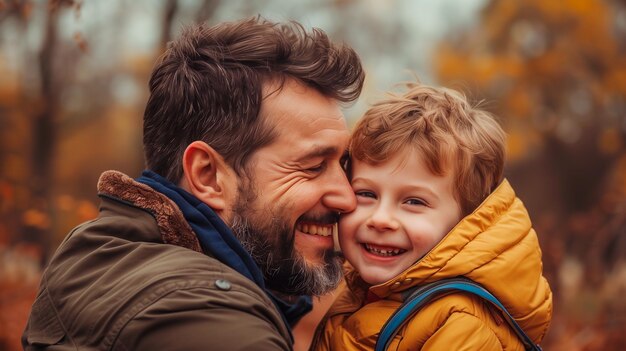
column 317, row 274
column 314, row 249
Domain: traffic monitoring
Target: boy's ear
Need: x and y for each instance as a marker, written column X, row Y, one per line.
column 208, row 177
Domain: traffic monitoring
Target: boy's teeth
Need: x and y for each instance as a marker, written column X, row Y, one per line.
column 383, row 252
column 314, row 229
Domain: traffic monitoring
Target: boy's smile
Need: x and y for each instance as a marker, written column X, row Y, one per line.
column 383, row 251
column 403, row 211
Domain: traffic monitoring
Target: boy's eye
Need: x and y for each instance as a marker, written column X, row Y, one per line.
column 415, row 202
column 367, row 194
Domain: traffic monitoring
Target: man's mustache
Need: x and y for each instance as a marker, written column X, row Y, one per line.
column 326, row 218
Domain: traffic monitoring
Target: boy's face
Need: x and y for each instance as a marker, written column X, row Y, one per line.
column 403, row 210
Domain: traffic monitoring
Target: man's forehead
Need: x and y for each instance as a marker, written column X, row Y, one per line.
column 296, row 104
column 313, row 117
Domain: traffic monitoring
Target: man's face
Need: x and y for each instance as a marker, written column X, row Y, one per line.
column 293, row 190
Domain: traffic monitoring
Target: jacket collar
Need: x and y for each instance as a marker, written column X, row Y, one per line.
column 172, row 225
column 216, row 238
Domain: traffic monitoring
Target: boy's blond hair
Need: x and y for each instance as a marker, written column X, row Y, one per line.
column 449, row 133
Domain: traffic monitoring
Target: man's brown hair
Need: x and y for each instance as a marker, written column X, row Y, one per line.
column 208, row 86
column 449, row 133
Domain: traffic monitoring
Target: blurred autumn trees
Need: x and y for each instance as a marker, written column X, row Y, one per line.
column 555, row 73
column 64, row 109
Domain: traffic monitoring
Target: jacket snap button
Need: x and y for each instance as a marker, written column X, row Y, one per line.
column 395, row 285
column 222, row 284
column 407, row 281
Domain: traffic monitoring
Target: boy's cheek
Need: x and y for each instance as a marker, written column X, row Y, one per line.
column 346, row 223
column 344, row 230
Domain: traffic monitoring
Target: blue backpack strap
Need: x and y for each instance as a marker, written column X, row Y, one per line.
column 424, row 294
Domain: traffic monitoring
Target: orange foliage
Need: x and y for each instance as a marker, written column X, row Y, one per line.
column 19, row 277
column 556, row 70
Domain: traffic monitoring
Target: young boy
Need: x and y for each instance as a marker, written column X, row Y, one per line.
column 427, row 170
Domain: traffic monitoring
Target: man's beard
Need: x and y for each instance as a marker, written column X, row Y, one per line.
column 269, row 239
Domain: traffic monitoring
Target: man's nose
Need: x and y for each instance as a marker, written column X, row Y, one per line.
column 339, row 196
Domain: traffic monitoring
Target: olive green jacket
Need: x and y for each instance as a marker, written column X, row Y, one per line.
column 135, row 279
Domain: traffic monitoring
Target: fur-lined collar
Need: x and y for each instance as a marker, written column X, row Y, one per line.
column 173, row 227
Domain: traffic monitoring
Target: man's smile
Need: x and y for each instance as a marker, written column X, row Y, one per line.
column 315, row 228
column 314, row 235
column 324, row 225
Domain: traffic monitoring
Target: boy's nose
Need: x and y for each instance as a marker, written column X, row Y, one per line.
column 382, row 219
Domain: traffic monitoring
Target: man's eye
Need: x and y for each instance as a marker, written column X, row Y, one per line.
column 316, row 169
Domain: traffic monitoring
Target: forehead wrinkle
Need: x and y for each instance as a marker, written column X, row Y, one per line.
column 335, row 124
column 328, row 119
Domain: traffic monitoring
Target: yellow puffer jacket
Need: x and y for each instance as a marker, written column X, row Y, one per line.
column 494, row 246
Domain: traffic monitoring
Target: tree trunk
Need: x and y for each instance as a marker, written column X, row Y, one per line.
column 44, row 134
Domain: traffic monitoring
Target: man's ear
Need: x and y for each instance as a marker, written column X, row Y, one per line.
column 209, row 178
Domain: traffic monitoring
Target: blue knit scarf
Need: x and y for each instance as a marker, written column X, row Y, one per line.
column 217, row 240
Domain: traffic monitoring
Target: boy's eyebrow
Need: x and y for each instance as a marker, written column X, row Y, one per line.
column 404, row 188
column 432, row 193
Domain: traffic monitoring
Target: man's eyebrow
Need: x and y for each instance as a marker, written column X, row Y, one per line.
column 320, row 151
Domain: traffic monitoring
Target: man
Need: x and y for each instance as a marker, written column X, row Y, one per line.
column 216, row 244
